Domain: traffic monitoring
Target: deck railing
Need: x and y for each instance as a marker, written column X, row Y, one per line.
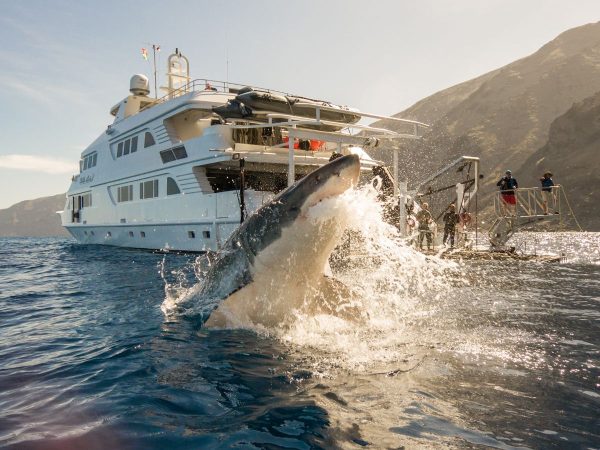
column 529, row 203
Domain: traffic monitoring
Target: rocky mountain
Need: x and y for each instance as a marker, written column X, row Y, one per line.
column 33, row 218
column 572, row 153
column 504, row 116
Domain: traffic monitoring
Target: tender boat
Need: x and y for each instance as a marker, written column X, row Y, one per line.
column 182, row 172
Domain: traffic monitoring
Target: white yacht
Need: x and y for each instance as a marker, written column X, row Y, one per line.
column 181, row 172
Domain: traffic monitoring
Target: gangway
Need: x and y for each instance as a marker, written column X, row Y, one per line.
column 527, row 211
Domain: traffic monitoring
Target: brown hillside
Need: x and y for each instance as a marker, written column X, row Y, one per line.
column 504, row 116
column 33, row 218
column 572, row 153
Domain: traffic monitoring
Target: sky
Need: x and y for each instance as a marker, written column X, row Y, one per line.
column 64, row 64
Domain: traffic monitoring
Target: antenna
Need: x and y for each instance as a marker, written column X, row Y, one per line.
column 155, row 48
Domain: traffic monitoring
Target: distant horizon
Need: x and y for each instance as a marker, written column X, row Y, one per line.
column 61, row 74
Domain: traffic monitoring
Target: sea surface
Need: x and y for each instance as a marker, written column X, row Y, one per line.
column 443, row 354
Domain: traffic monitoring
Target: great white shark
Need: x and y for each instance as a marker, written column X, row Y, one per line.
column 274, row 264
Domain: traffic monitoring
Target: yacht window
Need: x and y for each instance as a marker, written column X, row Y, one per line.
column 131, row 234
column 86, row 200
column 148, row 139
column 127, row 144
column 167, row 156
column 125, row 193
column 172, row 154
column 180, row 152
column 149, row 189
column 134, row 144
column 120, row 150
column 142, row 234
column 88, row 161
column 172, row 188
column 192, row 234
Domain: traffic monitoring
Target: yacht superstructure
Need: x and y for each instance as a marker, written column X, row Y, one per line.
column 181, row 172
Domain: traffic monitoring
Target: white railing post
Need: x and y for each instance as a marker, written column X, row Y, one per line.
column 291, row 167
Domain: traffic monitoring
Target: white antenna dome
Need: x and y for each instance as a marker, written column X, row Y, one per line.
column 139, row 85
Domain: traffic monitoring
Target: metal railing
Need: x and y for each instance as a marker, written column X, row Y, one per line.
column 529, row 203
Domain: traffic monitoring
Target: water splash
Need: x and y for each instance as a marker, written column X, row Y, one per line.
column 388, row 286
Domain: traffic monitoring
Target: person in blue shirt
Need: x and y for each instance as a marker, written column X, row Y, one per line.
column 507, row 185
column 547, row 192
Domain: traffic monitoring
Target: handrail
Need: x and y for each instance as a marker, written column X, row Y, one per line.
column 529, row 203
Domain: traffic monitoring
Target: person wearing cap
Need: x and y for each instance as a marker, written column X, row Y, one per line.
column 547, row 193
column 450, row 221
column 424, row 218
column 507, row 185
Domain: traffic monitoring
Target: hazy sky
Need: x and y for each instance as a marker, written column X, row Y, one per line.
column 63, row 64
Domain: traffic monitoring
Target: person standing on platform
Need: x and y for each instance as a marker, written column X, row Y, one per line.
column 450, row 221
column 507, row 185
column 547, row 193
column 424, row 218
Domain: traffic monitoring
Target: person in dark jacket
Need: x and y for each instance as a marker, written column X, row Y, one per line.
column 547, row 192
column 450, row 220
column 424, row 218
column 507, row 185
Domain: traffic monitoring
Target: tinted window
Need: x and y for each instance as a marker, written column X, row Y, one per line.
column 127, row 144
column 180, row 152
column 167, row 156
column 120, row 150
column 172, row 188
column 148, row 139
column 149, row 189
column 94, row 159
column 134, row 144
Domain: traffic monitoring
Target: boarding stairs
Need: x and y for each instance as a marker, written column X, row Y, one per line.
column 527, row 212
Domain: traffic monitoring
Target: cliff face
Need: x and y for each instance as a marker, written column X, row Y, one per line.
column 572, row 154
column 503, row 116
column 33, row 218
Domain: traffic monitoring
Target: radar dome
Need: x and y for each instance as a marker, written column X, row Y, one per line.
column 139, row 85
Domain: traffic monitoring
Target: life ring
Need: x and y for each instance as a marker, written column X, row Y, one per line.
column 465, row 218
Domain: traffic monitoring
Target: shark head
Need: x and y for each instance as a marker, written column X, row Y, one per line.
column 268, row 223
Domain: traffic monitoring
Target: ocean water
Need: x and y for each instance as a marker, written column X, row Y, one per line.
column 441, row 354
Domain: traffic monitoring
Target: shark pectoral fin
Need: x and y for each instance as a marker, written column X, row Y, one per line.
column 337, row 299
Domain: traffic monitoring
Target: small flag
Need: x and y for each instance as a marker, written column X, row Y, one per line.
column 145, row 54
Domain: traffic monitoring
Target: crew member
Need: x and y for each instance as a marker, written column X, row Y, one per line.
column 507, row 185
column 547, row 193
column 424, row 218
column 450, row 221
